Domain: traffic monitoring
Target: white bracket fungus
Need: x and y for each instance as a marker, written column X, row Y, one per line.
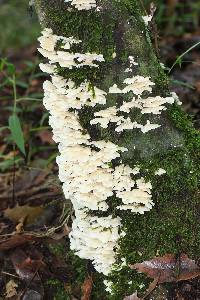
column 147, row 19
column 132, row 63
column 82, row 4
column 84, row 164
column 160, row 172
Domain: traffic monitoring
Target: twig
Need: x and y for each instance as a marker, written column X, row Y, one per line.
column 48, row 233
column 9, row 274
column 152, row 286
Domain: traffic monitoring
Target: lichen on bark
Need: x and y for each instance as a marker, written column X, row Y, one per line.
column 172, row 226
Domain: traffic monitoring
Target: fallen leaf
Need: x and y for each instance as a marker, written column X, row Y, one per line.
column 29, row 179
column 87, row 288
column 15, row 241
column 169, row 268
column 132, row 297
column 23, row 214
column 25, row 266
column 32, row 188
column 11, row 289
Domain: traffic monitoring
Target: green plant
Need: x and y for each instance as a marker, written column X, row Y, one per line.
column 23, row 119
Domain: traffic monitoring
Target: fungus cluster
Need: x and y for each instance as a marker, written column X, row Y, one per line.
column 111, row 115
column 88, row 180
column 86, row 166
column 66, row 59
column 147, row 19
column 150, row 105
column 82, row 4
column 132, row 63
column 96, row 238
column 160, row 172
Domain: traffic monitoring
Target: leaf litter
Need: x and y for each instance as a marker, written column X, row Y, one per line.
column 169, row 268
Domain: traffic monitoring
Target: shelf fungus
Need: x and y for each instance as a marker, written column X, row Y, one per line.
column 86, row 168
column 82, row 4
column 160, row 172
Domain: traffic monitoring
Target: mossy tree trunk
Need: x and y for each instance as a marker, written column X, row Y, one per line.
column 172, row 226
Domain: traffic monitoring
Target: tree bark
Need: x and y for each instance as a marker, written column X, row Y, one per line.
column 172, row 226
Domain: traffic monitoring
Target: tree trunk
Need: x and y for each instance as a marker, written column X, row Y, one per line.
column 117, row 31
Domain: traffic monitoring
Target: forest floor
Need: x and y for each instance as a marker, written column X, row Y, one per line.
column 35, row 261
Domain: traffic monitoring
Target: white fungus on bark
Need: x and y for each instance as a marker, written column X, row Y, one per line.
column 85, row 165
column 132, row 63
column 176, row 98
column 127, row 106
column 47, row 68
column 84, row 169
column 147, row 19
column 138, row 84
column 155, row 105
column 66, row 59
column 106, row 116
column 160, row 172
column 108, row 285
column 82, row 4
column 149, row 105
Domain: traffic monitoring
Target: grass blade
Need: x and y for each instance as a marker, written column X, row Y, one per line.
column 16, row 132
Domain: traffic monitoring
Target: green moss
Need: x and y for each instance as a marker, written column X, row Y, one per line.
column 79, row 267
column 58, row 249
column 100, row 33
column 126, row 282
column 58, row 290
column 87, row 26
column 98, row 290
column 172, row 226
column 82, row 269
column 184, row 122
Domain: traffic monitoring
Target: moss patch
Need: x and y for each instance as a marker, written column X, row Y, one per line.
column 172, row 226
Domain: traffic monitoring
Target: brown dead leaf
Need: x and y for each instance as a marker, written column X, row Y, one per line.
column 30, row 179
column 28, row 184
column 23, row 214
column 11, row 288
column 33, row 190
column 25, row 266
column 87, row 288
column 169, row 268
column 132, row 297
column 16, row 240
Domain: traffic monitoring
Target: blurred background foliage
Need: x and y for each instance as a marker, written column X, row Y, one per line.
column 19, row 26
column 176, row 17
